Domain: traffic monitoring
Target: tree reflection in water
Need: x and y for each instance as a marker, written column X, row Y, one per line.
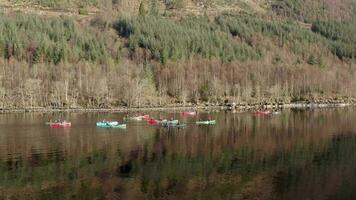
column 300, row 154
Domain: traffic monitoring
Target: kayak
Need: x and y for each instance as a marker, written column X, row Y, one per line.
column 210, row 122
column 61, row 124
column 105, row 123
column 188, row 113
column 102, row 125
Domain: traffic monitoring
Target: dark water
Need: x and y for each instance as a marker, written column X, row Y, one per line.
column 300, row 154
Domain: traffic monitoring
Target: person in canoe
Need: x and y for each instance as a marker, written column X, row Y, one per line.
column 106, row 122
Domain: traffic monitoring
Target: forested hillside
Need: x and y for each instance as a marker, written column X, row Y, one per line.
column 114, row 53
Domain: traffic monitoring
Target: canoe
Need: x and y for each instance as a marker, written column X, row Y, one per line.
column 123, row 126
column 136, row 118
column 262, row 112
column 174, row 125
column 140, row 118
column 188, row 113
column 101, row 125
column 104, row 123
column 163, row 122
column 152, row 121
column 180, row 125
column 210, row 122
column 61, row 124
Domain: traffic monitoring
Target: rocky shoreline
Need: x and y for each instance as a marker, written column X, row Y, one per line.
column 225, row 106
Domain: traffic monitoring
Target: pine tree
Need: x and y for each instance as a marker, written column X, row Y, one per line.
column 142, row 9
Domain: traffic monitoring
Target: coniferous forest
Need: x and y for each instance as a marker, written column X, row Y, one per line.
column 120, row 53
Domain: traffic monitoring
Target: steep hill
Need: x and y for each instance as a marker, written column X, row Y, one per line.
column 303, row 10
column 131, row 53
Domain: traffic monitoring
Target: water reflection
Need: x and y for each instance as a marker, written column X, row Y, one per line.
column 300, row 154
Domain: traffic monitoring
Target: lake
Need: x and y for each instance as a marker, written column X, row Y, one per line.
column 298, row 154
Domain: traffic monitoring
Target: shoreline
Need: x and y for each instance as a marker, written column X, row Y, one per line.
column 227, row 107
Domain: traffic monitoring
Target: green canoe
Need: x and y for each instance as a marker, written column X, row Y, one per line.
column 103, row 125
column 211, row 122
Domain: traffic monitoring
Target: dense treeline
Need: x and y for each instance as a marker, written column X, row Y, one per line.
column 312, row 10
column 51, row 40
column 166, row 39
column 342, row 33
column 190, row 36
column 246, row 26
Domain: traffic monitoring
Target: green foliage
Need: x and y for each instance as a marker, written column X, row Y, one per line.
column 205, row 91
column 344, row 31
column 246, row 26
column 147, row 78
column 312, row 60
column 142, row 9
column 154, row 9
column 190, row 36
column 35, row 39
column 342, row 35
column 168, row 39
column 290, row 8
column 312, row 10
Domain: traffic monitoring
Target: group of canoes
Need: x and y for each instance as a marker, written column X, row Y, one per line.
column 172, row 122
column 150, row 121
column 147, row 118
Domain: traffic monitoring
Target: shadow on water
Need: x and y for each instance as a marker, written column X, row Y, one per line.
column 300, row 154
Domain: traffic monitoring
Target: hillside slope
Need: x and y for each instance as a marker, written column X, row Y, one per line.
column 132, row 53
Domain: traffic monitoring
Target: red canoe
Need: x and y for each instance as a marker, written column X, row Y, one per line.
column 186, row 113
column 152, row 121
column 62, row 125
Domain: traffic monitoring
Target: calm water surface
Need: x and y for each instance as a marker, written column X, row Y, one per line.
column 300, row 154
